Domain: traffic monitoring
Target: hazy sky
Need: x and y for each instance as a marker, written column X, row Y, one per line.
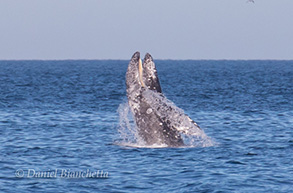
column 168, row 29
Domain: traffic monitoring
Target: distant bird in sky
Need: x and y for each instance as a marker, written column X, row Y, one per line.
column 252, row 1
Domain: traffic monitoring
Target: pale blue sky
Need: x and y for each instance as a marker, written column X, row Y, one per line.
column 168, row 29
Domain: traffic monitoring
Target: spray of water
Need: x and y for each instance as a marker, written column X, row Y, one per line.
column 127, row 127
column 192, row 135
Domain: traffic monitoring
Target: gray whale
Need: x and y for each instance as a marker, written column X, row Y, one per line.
column 158, row 120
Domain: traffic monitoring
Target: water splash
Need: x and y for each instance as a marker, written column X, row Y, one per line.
column 192, row 136
column 127, row 128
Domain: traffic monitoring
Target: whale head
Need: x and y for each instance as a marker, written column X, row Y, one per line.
column 142, row 75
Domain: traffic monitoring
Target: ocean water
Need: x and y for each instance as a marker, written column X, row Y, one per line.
column 59, row 128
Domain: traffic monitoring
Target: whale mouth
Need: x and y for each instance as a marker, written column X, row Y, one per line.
column 140, row 72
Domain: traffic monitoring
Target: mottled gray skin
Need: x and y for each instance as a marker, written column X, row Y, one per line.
column 150, row 76
column 151, row 128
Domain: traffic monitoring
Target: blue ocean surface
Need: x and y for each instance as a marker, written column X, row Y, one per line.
column 59, row 127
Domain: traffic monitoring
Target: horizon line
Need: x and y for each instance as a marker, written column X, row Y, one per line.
column 154, row 59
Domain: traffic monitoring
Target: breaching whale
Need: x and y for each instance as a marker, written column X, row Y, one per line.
column 157, row 119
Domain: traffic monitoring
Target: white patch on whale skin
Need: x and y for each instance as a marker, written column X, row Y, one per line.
column 149, row 111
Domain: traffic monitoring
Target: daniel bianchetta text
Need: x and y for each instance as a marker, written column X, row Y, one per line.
column 61, row 173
